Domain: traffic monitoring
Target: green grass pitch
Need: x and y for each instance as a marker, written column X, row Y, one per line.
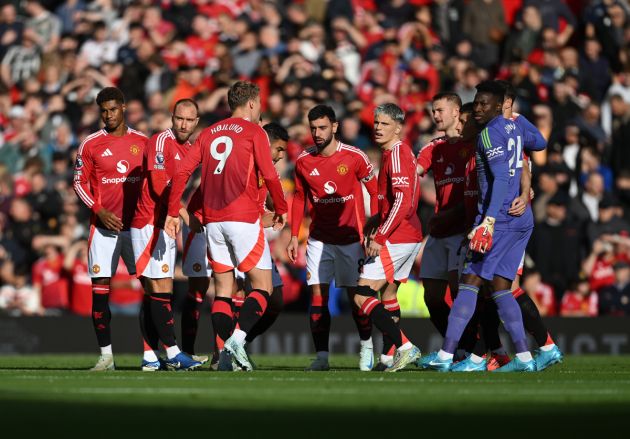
column 54, row 395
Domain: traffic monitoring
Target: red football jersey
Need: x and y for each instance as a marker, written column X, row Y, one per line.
column 231, row 153
column 54, row 284
column 162, row 157
column 108, row 173
column 447, row 159
column 333, row 187
column 398, row 195
column 81, row 293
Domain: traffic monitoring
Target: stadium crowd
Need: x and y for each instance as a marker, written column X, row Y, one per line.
column 569, row 61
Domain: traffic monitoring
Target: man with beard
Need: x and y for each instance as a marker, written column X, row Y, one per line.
column 330, row 175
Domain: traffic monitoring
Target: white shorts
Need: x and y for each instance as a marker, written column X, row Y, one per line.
column 327, row 261
column 195, row 259
column 105, row 248
column 154, row 252
column 393, row 264
column 276, row 280
column 237, row 245
column 440, row 256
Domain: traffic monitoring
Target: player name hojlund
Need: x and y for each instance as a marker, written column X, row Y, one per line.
column 227, row 127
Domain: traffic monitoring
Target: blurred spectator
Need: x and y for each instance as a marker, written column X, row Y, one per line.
column 555, row 15
column 615, row 299
column 521, row 44
column 594, row 70
column 542, row 294
column 598, row 266
column 21, row 62
column 99, row 49
column 592, row 194
column 556, row 245
column 75, row 264
column 11, row 28
column 609, row 220
column 50, row 281
column 580, row 301
column 605, row 20
column 484, row 23
column 45, row 25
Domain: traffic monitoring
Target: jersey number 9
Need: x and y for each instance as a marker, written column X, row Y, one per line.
column 221, row 156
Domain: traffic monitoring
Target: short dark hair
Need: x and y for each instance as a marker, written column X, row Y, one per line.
column 319, row 111
column 466, row 108
column 449, row 96
column 186, row 101
column 241, row 93
column 509, row 90
column 491, row 87
column 110, row 94
column 275, row 131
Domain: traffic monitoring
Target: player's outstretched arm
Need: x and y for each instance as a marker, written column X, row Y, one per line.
column 171, row 226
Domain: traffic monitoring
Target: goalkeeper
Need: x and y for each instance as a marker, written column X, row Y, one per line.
column 498, row 241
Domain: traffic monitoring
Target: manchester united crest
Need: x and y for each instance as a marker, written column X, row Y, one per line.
column 134, row 150
column 261, row 181
column 197, row 267
column 165, row 268
column 342, row 169
column 96, row 269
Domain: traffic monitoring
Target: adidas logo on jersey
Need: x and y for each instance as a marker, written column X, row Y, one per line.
column 177, row 157
column 107, row 153
column 314, row 172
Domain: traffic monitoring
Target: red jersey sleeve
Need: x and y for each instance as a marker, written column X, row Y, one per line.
column 83, row 169
column 365, row 173
column 401, row 188
column 156, row 162
column 299, row 202
column 425, row 157
column 180, row 178
column 264, row 163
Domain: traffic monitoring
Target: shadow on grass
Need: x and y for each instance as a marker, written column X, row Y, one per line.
column 95, row 420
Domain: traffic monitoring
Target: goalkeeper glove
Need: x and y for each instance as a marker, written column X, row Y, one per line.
column 481, row 236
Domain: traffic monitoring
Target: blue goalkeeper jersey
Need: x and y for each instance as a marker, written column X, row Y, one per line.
column 499, row 156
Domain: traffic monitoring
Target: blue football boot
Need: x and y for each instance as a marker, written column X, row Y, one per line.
column 182, row 361
column 468, row 365
column 433, row 362
column 544, row 359
column 517, row 365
